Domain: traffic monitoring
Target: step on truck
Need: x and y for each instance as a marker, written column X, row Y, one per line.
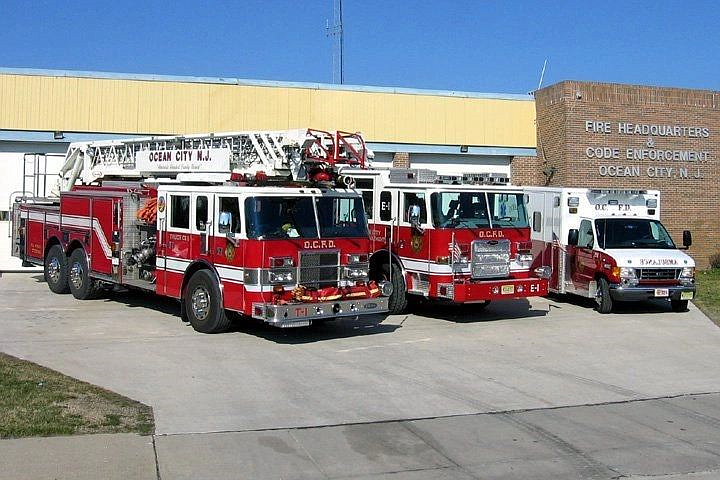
column 454, row 238
column 609, row 245
column 248, row 222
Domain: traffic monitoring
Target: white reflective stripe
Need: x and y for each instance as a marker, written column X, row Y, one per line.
column 177, row 264
column 50, row 218
column 231, row 274
column 425, row 266
column 78, row 221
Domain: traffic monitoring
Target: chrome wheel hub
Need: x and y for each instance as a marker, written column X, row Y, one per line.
column 76, row 275
column 200, row 303
column 53, row 270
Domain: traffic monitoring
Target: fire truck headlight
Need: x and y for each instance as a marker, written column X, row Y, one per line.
column 687, row 276
column 356, row 273
column 281, row 276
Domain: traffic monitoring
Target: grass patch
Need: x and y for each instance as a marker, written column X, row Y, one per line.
column 708, row 293
column 36, row 401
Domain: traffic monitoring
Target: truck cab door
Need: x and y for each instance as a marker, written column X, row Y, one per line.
column 176, row 242
column 583, row 261
column 412, row 237
column 201, row 226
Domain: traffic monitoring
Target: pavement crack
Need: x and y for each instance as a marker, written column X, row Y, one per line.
column 157, row 461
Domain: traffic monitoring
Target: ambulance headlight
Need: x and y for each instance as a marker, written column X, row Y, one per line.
column 687, row 276
column 626, row 275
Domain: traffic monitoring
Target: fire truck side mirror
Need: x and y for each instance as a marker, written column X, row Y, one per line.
column 687, row 239
column 414, row 217
column 225, row 222
column 573, row 235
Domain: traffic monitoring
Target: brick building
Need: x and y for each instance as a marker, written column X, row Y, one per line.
column 634, row 137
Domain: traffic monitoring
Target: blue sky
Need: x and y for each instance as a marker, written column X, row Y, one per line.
column 480, row 46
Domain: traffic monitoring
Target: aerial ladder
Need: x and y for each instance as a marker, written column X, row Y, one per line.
column 299, row 155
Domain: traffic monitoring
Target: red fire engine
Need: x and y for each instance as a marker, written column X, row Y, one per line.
column 250, row 222
column 459, row 238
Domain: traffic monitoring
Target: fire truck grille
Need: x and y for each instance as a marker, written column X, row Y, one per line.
column 319, row 269
column 658, row 273
column 490, row 258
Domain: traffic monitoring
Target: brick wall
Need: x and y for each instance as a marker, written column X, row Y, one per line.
column 401, row 160
column 690, row 188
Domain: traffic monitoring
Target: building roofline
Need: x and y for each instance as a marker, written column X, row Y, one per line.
column 259, row 83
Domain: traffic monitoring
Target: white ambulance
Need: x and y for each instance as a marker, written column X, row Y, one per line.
column 609, row 245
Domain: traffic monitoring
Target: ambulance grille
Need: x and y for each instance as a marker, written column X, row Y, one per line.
column 490, row 258
column 658, row 273
column 319, row 269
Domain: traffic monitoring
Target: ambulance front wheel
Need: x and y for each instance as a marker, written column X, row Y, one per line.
column 397, row 302
column 203, row 303
column 602, row 296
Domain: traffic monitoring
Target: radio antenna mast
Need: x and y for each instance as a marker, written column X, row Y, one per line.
column 336, row 32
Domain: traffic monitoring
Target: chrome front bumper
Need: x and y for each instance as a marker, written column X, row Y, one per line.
column 303, row 314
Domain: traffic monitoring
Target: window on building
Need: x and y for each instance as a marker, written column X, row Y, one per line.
column 180, row 211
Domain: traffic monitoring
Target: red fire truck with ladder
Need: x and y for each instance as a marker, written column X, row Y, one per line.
column 458, row 238
column 249, row 222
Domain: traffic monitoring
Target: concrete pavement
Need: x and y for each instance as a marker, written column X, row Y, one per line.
column 367, row 399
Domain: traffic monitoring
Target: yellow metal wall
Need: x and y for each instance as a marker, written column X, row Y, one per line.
column 76, row 104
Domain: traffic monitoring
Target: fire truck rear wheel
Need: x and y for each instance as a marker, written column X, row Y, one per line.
column 82, row 286
column 602, row 296
column 203, row 304
column 56, row 270
column 397, row 303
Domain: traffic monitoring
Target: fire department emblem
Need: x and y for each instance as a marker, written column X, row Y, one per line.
column 161, row 204
column 416, row 243
column 230, row 251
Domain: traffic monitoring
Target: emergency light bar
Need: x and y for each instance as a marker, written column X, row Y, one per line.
column 424, row 175
column 611, row 192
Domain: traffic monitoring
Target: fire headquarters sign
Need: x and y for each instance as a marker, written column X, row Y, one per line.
column 185, row 160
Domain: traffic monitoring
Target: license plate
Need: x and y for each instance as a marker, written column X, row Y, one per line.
column 686, row 295
column 508, row 289
column 662, row 292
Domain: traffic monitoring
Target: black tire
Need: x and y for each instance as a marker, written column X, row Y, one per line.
column 82, row 286
column 602, row 296
column 679, row 305
column 203, row 304
column 398, row 302
column 56, row 270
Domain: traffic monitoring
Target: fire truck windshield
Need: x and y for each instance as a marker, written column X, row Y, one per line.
column 632, row 233
column 295, row 217
column 478, row 210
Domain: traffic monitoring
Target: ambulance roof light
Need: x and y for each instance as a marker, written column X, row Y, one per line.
column 573, row 201
column 651, row 203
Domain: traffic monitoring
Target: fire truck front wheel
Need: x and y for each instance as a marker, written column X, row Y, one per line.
column 203, row 304
column 397, row 303
column 602, row 296
column 56, row 270
column 82, row 286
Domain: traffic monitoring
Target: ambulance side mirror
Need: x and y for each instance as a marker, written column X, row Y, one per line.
column 573, row 235
column 687, row 239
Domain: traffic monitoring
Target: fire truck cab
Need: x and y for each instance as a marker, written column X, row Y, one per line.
column 609, row 245
column 456, row 238
column 289, row 252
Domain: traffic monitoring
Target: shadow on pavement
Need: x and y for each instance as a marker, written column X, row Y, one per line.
column 500, row 310
column 650, row 306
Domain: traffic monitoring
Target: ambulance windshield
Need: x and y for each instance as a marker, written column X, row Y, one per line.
column 294, row 217
column 632, row 233
column 478, row 210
